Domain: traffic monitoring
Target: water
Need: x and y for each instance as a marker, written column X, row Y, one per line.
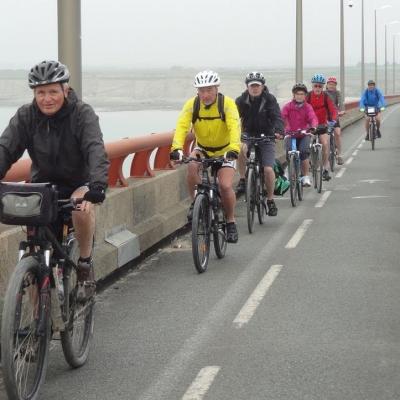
column 119, row 124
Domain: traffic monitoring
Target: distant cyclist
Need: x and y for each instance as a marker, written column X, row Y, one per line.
column 372, row 97
column 325, row 111
column 215, row 122
column 299, row 115
column 336, row 97
column 260, row 114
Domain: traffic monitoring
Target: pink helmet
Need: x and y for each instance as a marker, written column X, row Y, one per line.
column 332, row 79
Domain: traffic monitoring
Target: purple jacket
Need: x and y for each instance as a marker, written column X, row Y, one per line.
column 296, row 117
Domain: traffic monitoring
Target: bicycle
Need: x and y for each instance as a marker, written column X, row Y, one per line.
column 371, row 113
column 209, row 218
column 294, row 166
column 316, row 158
column 332, row 145
column 255, row 190
column 41, row 296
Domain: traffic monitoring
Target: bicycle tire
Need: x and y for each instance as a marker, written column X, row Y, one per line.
column 372, row 135
column 201, row 229
column 219, row 233
column 78, row 332
column 299, row 184
column 23, row 345
column 261, row 202
column 332, row 151
column 292, row 180
column 319, row 170
column 313, row 159
column 250, row 197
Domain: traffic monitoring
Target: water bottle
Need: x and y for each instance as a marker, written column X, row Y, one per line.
column 59, row 283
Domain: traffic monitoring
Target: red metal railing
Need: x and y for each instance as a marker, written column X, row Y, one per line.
column 142, row 148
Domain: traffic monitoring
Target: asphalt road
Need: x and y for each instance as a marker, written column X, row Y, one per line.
column 307, row 307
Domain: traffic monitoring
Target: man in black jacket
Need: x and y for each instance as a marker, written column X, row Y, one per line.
column 63, row 138
column 260, row 114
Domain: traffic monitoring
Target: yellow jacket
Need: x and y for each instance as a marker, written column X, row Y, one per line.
column 210, row 133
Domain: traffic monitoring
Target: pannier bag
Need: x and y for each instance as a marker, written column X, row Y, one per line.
column 27, row 203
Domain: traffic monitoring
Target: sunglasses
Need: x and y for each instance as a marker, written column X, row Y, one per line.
column 318, row 86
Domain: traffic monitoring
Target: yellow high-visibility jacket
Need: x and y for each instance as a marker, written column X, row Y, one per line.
column 210, row 133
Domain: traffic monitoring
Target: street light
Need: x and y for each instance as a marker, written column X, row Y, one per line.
column 376, row 43
column 394, row 61
column 386, row 25
column 299, row 41
column 342, row 84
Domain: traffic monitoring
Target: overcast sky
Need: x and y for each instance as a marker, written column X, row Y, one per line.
column 195, row 33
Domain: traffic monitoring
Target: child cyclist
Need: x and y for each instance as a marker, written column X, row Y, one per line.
column 336, row 97
column 299, row 115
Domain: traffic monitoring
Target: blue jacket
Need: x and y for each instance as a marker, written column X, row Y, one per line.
column 372, row 98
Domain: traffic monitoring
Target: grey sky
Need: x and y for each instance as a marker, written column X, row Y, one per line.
column 195, row 33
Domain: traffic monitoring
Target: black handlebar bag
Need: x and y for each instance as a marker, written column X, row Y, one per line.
column 33, row 204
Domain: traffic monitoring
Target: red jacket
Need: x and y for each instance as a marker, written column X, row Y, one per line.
column 319, row 104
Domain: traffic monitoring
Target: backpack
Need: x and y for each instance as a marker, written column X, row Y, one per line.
column 281, row 182
column 325, row 104
column 196, row 109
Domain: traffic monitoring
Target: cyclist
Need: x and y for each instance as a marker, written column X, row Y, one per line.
column 63, row 138
column 215, row 122
column 325, row 111
column 373, row 97
column 336, row 97
column 260, row 114
column 299, row 115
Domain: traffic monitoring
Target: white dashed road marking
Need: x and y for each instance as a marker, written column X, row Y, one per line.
column 202, row 383
column 294, row 241
column 323, row 199
column 349, row 161
column 341, row 172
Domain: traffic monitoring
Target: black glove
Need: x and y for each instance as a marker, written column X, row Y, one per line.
column 176, row 155
column 95, row 195
column 231, row 155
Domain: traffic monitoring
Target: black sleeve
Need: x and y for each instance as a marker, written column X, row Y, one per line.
column 92, row 146
column 13, row 142
column 276, row 116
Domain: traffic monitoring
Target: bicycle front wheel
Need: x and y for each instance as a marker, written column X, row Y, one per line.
column 78, row 332
column 332, row 151
column 250, row 198
column 299, row 184
column 219, row 233
column 292, row 180
column 372, row 134
column 201, row 233
column 25, row 332
column 318, row 170
column 261, row 202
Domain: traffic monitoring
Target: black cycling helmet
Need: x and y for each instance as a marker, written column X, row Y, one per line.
column 48, row 72
column 254, row 77
column 299, row 87
column 371, row 82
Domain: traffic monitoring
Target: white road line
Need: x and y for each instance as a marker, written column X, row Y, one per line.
column 323, row 199
column 294, row 241
column 341, row 172
column 201, row 384
column 360, row 145
column 355, row 152
column 368, row 197
column 256, row 297
column 349, row 161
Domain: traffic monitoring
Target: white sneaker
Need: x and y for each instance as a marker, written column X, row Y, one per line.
column 305, row 181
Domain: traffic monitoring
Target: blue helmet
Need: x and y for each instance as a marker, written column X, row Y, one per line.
column 318, row 78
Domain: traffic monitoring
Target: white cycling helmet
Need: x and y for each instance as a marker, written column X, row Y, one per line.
column 206, row 78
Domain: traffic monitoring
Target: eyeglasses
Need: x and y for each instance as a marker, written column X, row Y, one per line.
column 318, row 86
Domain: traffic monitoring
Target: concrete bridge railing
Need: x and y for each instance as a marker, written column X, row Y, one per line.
column 138, row 211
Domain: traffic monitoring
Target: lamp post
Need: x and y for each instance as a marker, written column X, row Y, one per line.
column 394, row 61
column 342, row 70
column 299, row 40
column 386, row 25
column 376, row 43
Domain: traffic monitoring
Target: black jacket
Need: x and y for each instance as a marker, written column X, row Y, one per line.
column 66, row 149
column 260, row 114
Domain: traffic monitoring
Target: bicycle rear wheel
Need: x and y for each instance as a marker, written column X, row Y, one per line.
column 250, row 197
column 219, row 233
column 318, row 170
column 292, row 180
column 332, row 151
column 201, row 233
column 372, row 135
column 25, row 332
column 78, row 332
column 261, row 201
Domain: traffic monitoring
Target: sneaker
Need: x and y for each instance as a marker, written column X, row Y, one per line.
column 305, row 181
column 325, row 175
column 241, row 186
column 232, row 235
column 378, row 134
column 86, row 283
column 339, row 160
column 190, row 213
column 272, row 209
column 367, row 137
